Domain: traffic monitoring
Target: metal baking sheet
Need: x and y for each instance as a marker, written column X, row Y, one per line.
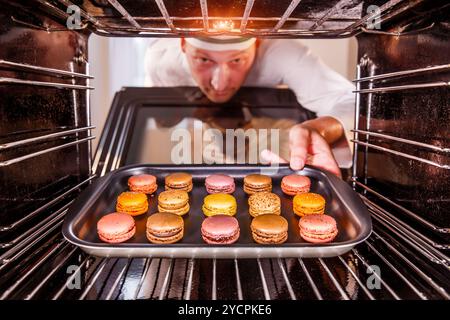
column 353, row 220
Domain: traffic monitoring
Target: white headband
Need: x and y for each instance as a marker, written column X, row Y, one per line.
column 221, row 43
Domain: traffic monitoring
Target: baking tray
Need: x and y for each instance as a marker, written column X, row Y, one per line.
column 353, row 220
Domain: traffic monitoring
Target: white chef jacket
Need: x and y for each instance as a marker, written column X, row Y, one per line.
column 278, row 62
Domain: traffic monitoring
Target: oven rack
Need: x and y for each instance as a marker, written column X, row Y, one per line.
column 344, row 277
column 330, row 23
column 367, row 134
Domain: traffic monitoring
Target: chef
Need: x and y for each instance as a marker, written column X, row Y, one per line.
column 220, row 65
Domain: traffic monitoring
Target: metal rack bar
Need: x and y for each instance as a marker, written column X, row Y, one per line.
column 406, row 87
column 425, row 277
column 327, row 14
column 419, row 245
column 43, row 137
column 286, row 14
column 334, row 280
column 238, row 280
column 214, row 280
column 57, row 11
column 356, row 121
column 402, row 154
column 56, row 72
column 408, row 212
column 362, row 286
column 388, row 288
column 9, row 259
column 38, row 153
column 118, row 279
column 124, row 13
column 94, row 278
column 4, row 80
column 407, row 141
column 246, row 15
column 403, row 73
column 50, row 274
column 420, row 294
column 165, row 286
column 165, row 14
column 143, row 276
column 191, row 264
column 204, row 8
column 32, row 214
column 17, row 283
column 33, row 232
column 310, row 279
column 238, row 18
column 70, row 279
column 286, row 279
column 263, row 280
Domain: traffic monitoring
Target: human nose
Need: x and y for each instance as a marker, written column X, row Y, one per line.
column 219, row 79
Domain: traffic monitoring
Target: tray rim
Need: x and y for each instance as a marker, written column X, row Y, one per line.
column 208, row 250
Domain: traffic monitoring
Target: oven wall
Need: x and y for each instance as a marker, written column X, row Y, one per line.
column 416, row 114
column 42, row 103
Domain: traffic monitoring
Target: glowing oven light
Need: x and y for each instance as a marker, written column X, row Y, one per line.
column 223, row 25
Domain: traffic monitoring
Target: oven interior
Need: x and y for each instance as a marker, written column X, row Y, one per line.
column 401, row 147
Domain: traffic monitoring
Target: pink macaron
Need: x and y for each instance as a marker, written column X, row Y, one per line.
column 116, row 227
column 294, row 184
column 219, row 183
column 220, row 229
column 318, row 228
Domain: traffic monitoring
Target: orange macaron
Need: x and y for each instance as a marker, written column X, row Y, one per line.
column 132, row 203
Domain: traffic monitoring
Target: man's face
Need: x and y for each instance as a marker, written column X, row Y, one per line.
column 219, row 74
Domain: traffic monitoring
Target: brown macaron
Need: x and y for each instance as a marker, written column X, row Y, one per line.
column 173, row 201
column 164, row 228
column 269, row 229
column 179, row 181
column 254, row 183
column 264, row 203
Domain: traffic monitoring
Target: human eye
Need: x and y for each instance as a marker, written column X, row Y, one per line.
column 203, row 60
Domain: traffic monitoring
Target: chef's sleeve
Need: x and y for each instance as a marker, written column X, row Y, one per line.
column 320, row 89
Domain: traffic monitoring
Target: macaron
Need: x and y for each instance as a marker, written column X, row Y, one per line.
column 116, row 227
column 269, row 229
column 173, row 201
column 179, row 181
column 164, row 228
column 264, row 203
column 219, row 203
column 318, row 228
column 145, row 183
column 308, row 203
column 220, row 229
column 294, row 184
column 257, row 183
column 219, row 183
column 132, row 203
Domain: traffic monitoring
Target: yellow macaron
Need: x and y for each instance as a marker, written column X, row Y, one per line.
column 132, row 203
column 219, row 203
column 308, row 203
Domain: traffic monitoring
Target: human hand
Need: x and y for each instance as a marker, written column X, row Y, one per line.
column 307, row 146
